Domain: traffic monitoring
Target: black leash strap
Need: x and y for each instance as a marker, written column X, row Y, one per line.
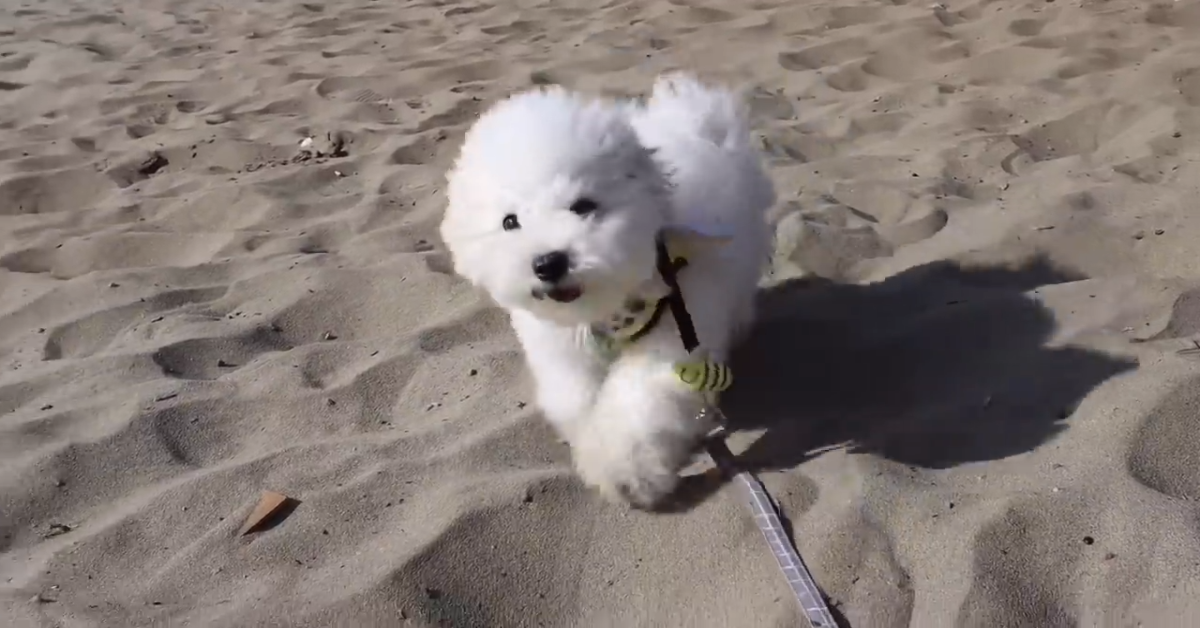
column 668, row 268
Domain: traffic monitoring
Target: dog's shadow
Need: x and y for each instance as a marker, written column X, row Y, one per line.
column 937, row 366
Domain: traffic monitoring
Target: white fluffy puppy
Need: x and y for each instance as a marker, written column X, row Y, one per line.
column 554, row 206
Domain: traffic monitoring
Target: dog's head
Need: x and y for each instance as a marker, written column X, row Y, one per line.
column 554, row 205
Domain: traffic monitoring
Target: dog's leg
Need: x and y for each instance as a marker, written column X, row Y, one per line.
column 566, row 391
column 640, row 433
column 566, row 376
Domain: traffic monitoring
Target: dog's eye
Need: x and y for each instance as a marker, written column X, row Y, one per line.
column 584, row 206
column 510, row 222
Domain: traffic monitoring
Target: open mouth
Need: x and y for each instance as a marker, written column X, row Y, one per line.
column 562, row 294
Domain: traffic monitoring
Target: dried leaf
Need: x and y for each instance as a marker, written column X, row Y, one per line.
column 269, row 504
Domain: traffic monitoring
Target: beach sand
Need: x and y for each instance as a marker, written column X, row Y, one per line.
column 971, row 392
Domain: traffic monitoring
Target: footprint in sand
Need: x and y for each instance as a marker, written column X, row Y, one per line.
column 210, row 358
column 824, row 55
column 44, row 193
column 1026, row 27
column 95, row 332
column 834, row 240
column 1021, row 557
column 1164, row 456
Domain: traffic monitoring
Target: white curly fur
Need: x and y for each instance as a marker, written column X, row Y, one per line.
column 682, row 159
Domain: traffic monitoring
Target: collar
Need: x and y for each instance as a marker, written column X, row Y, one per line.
column 703, row 376
column 639, row 317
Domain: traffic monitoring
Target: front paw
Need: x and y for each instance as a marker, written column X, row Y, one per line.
column 641, row 470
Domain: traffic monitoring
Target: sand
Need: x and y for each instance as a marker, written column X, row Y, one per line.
column 971, row 392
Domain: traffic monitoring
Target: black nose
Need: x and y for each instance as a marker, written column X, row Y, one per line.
column 552, row 266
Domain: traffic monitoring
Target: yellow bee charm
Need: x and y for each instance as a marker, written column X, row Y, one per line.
column 705, row 376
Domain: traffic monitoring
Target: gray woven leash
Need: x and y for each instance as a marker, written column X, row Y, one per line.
column 766, row 517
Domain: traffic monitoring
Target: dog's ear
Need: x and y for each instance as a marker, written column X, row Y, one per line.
column 687, row 240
